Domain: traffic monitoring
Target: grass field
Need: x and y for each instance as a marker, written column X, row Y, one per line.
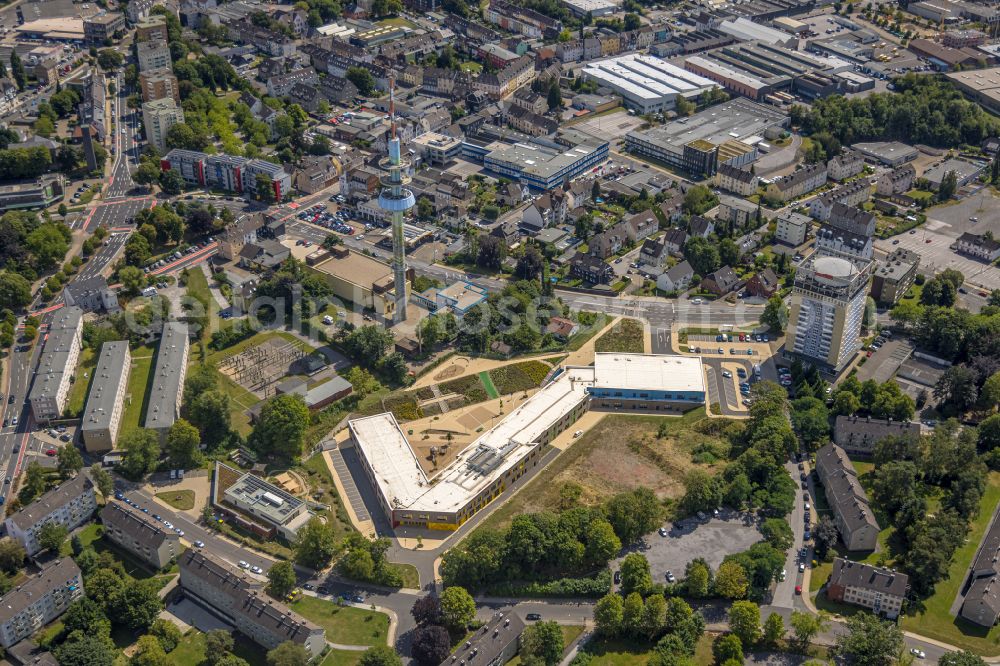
column 182, row 500
column 626, row 336
column 81, row 383
column 341, row 658
column 191, row 651
column 621, row 453
column 934, row 619
column 491, row 390
column 627, row 653
column 570, row 632
column 344, row 624
column 138, row 388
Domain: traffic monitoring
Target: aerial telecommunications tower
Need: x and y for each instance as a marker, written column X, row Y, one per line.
column 396, row 199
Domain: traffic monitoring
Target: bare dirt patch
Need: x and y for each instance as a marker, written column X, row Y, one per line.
column 454, row 368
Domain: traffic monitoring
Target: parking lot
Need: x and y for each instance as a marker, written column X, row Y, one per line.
column 932, row 242
column 711, row 539
column 611, row 126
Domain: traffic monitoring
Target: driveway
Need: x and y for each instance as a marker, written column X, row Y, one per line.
column 711, row 539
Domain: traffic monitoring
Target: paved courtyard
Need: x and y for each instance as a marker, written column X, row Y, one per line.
column 611, row 126
column 711, row 540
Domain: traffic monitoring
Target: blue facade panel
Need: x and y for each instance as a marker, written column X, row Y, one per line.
column 653, row 396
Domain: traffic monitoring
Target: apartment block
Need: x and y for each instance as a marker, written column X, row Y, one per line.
column 71, row 504
column 30, row 606
column 158, row 117
column 894, row 277
column 240, row 600
column 792, row 228
column 881, row 591
column 151, row 29
column 168, row 380
column 228, row 172
column 153, row 55
column 50, row 388
column 858, row 435
column 140, row 535
column 159, row 84
column 851, row 512
column 102, row 414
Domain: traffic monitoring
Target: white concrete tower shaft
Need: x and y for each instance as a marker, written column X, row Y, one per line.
column 396, row 199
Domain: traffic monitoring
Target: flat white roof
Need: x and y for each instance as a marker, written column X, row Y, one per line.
column 652, row 372
column 402, row 482
column 647, row 77
column 404, row 485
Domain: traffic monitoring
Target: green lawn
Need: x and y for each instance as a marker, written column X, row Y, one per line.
column 197, row 287
column 934, row 619
column 344, row 624
column 191, row 651
column 137, row 393
column 182, row 500
column 88, row 535
column 81, row 384
column 491, row 390
column 570, row 632
column 634, row 653
column 626, row 337
column 341, row 658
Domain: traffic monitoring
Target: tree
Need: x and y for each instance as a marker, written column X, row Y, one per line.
column 149, row 652
column 726, row 648
column 608, row 615
column 167, row 633
column 138, row 605
column 316, row 544
column 281, row 427
column 699, row 199
column 602, row 542
column 825, row 537
column 102, row 479
column 171, row 181
column 530, row 264
column 702, row 254
column 132, row 279
column 142, row 452
column 17, row 71
column 427, row 610
column 635, row 574
column 147, row 174
column 632, row 615
column 805, row 626
column 870, row 641
column 697, row 578
column 12, row 555
column 211, row 414
column 492, row 252
column 989, row 395
column 457, row 608
column 83, row 649
column 183, row 441
column 948, row 186
column 288, row 653
column 777, row 532
column 744, row 621
column 86, row 615
column 731, row 581
column 51, row 536
column 265, row 189
column 362, row 79
column 774, row 629
column 963, row 658
column 218, row 643
column 775, row 315
column 542, row 643
column 69, row 461
column 281, row 579
column 958, row 387
column 431, row 644
column 109, row 59
column 380, row 655
column 554, row 96
column 15, row 290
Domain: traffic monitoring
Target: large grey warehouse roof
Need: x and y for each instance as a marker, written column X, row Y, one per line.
column 738, row 119
column 162, row 409
column 112, row 366
column 647, row 77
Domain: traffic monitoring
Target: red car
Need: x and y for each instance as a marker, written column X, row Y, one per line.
column 798, row 589
column 50, row 452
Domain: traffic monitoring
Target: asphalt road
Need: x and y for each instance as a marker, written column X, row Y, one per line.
column 127, row 149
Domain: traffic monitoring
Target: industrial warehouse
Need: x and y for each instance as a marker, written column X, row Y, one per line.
column 488, row 466
column 761, row 71
column 646, row 83
column 729, row 133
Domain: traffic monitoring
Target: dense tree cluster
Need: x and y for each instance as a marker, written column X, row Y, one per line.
column 365, row 560
column 755, row 478
column 28, row 247
column 547, row 546
column 923, row 109
column 910, row 469
column 869, row 398
column 669, row 623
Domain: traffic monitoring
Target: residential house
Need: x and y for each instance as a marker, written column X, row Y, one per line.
column 854, row 193
column 38, row 601
column 530, row 122
column 720, row 282
column 894, row 277
column 848, row 163
column 897, row 181
column 609, row 242
column 859, row 435
column 548, row 209
column 737, row 211
column 91, row 295
column 141, row 535
column 799, row 182
column 280, row 85
column 676, row 279
column 513, row 194
column 675, row 240
column 701, row 226
column 764, row 284
column 641, row 226
column 847, row 499
column 792, row 228
column 508, row 232
column 980, row 246
column 653, row 256
column 589, row 268
column 736, row 179
column 880, row 590
column 673, row 207
column 263, row 255
column 562, row 328
column 69, row 504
